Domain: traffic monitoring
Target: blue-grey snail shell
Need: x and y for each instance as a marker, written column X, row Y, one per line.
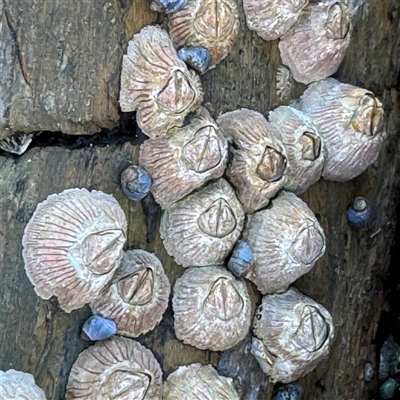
column 241, row 260
column 171, row 6
column 98, row 328
column 292, row 391
column 197, row 57
column 136, row 183
column 359, row 212
column 387, row 390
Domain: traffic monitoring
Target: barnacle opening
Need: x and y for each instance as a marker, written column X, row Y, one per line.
column 311, row 146
column 122, row 384
column 178, row 94
column 338, row 22
column 272, row 165
column 203, row 152
column 368, row 118
column 137, row 289
column 223, row 300
column 312, row 331
column 101, row 250
column 218, row 220
column 215, row 20
column 308, row 244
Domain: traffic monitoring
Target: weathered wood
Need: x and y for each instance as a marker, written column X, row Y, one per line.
column 60, row 63
column 37, row 337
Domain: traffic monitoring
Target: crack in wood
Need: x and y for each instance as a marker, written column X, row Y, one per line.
column 15, row 37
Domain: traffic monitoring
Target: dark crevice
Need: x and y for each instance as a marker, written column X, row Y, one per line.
column 127, row 131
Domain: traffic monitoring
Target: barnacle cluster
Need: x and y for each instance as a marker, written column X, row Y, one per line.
column 228, row 189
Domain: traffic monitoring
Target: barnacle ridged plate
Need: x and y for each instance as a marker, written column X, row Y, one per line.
column 212, row 309
column 17, row 385
column 156, row 83
column 212, row 24
column 196, row 381
column 303, row 145
column 138, row 294
column 293, row 334
column 350, row 121
column 185, row 159
column 286, row 240
column 316, row 44
column 73, row 245
column 117, row 369
column 271, row 18
column 202, row 228
column 259, row 166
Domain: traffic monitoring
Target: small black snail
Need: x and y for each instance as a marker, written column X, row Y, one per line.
column 198, row 58
column 359, row 212
column 136, row 183
column 292, row 391
column 241, row 259
column 98, row 328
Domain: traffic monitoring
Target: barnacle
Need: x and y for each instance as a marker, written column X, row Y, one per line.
column 156, row 83
column 315, row 45
column 118, row 369
column 212, row 309
column 350, row 122
column 212, row 24
column 198, row 381
column 259, row 166
column 286, row 240
column 185, row 159
column 73, row 245
column 202, row 228
column 293, row 334
column 138, row 295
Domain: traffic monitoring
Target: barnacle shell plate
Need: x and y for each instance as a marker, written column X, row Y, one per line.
column 259, row 166
column 271, row 19
column 212, row 309
column 286, row 240
column 350, row 122
column 156, row 83
column 185, row 159
column 296, row 333
column 316, row 44
column 212, row 24
column 303, row 145
column 198, row 381
column 138, row 295
column 17, row 385
column 73, row 245
column 118, row 369
column 202, row 228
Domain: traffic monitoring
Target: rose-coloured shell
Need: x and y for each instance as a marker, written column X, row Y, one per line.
column 212, row 24
column 138, row 296
column 118, row 369
column 303, row 145
column 259, row 166
column 316, row 44
column 270, row 18
column 185, row 159
column 73, row 245
column 212, row 309
column 156, row 83
column 286, row 240
column 17, row 385
column 202, row 228
column 294, row 332
column 350, row 122
column 195, row 382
